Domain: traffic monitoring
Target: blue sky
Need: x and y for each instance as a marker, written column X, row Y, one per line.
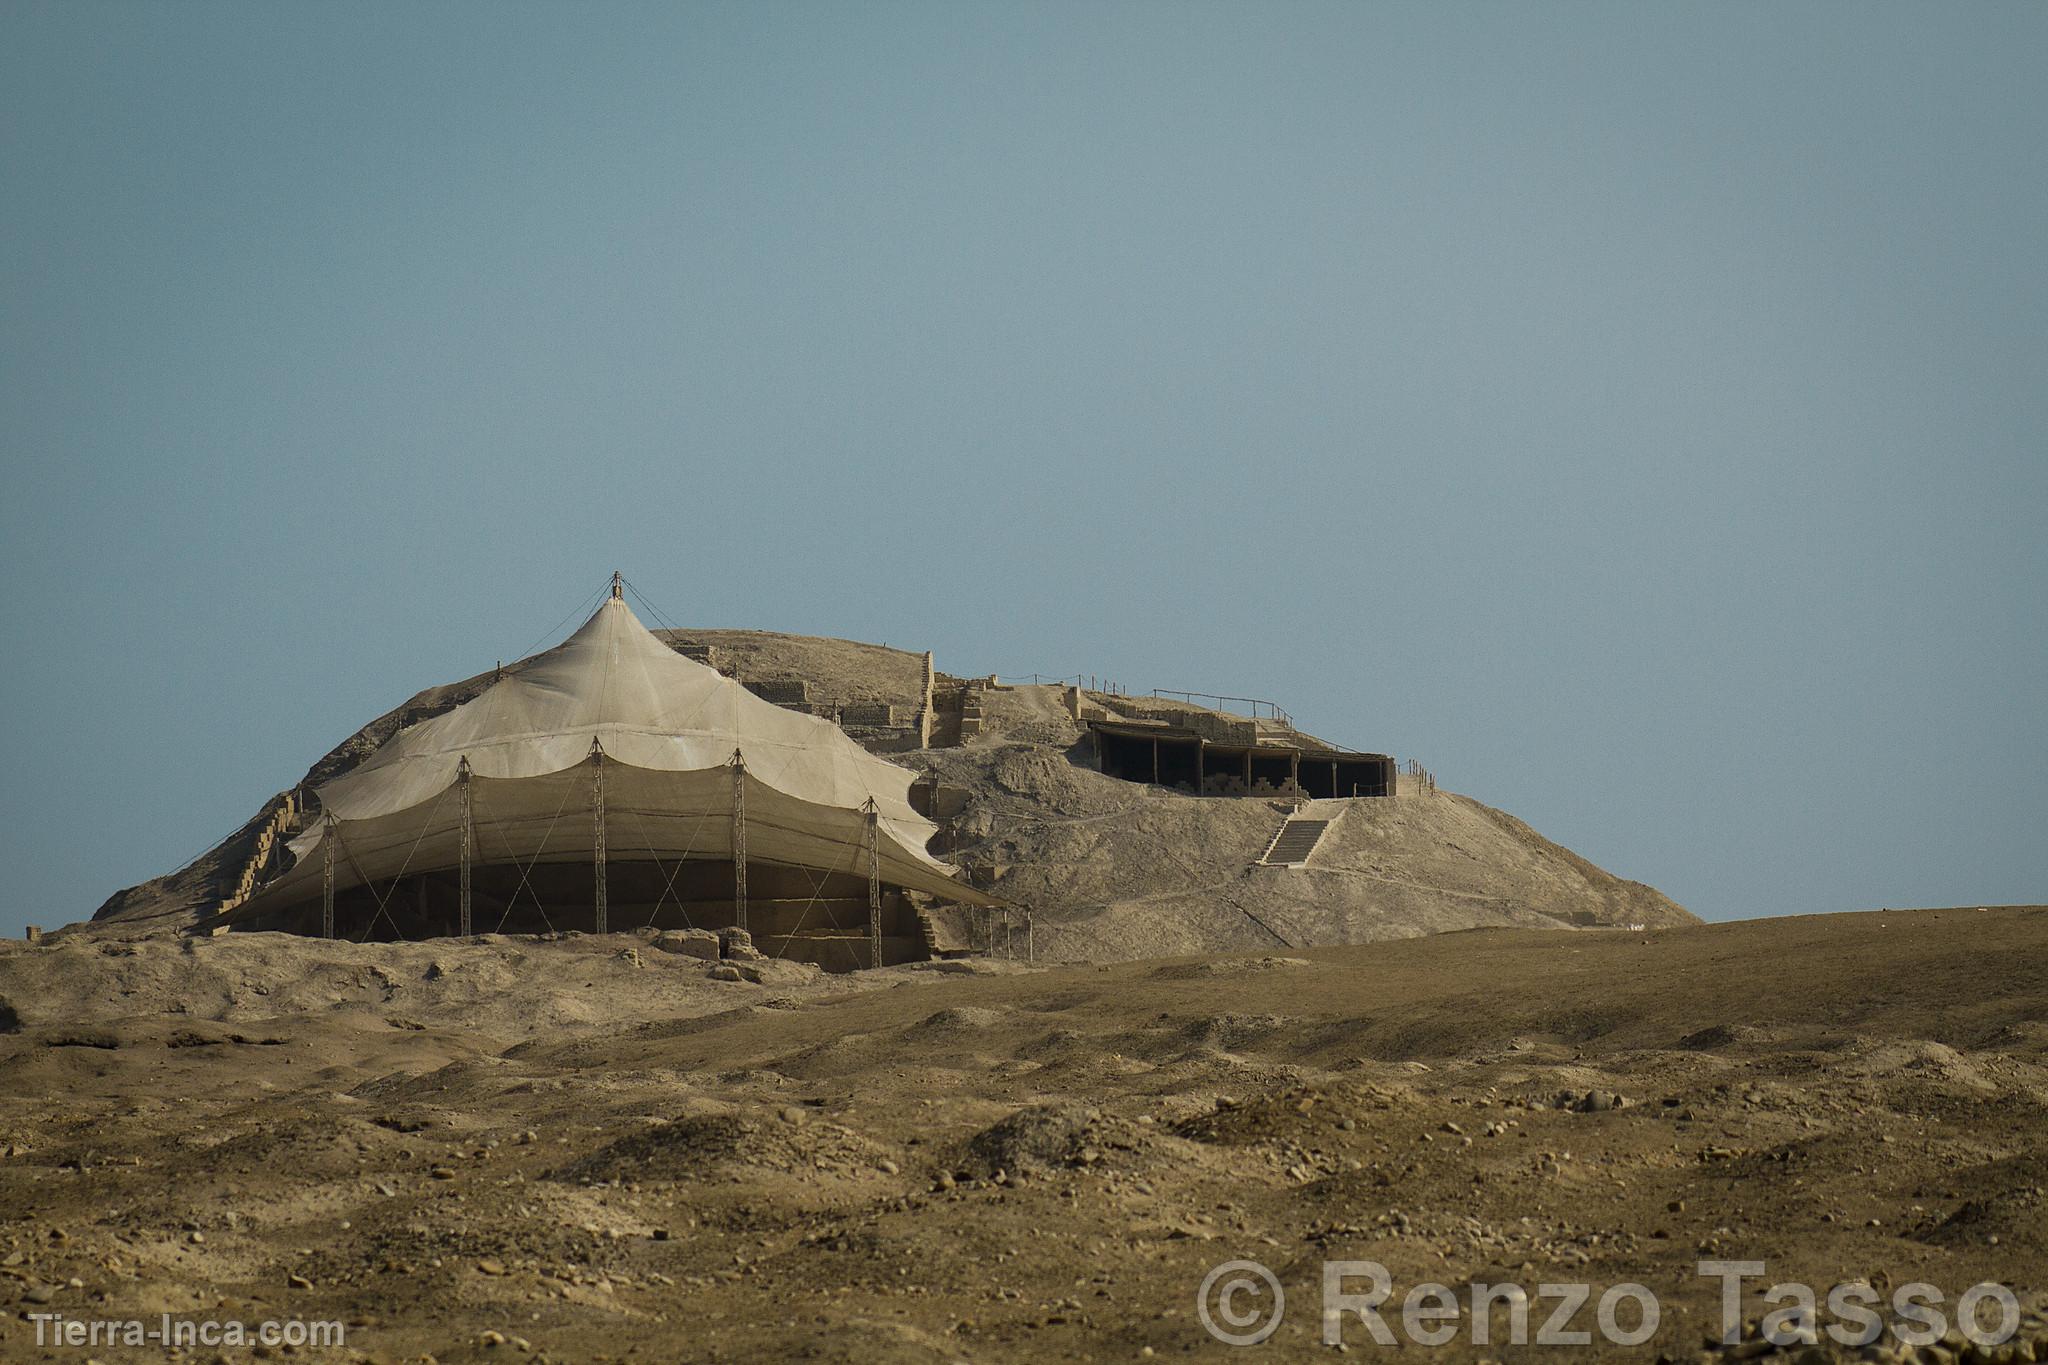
column 1636, row 413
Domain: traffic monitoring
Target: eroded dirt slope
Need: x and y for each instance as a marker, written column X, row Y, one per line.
column 1112, row 869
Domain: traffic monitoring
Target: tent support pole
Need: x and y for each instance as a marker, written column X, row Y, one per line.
column 597, row 851
column 739, row 840
column 468, row 827
column 874, row 889
column 327, row 838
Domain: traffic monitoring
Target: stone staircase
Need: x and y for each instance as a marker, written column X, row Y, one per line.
column 283, row 819
column 947, row 931
column 1295, row 841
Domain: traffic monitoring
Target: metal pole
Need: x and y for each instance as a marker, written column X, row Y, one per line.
column 874, row 888
column 739, row 840
column 468, row 825
column 597, row 817
column 327, row 837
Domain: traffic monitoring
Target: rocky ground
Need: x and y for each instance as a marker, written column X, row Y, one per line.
column 595, row 1150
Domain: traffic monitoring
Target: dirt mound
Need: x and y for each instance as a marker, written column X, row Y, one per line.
column 1112, row 870
column 1716, row 1037
column 1036, row 1136
column 957, row 1020
column 1109, row 869
column 694, row 1146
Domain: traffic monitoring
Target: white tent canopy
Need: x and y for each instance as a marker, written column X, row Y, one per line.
column 669, row 731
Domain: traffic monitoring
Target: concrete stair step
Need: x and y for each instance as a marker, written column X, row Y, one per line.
column 1295, row 841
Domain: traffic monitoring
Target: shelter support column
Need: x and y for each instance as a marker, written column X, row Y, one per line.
column 874, row 888
column 327, row 838
column 468, row 836
column 739, row 840
column 597, row 850
column 924, row 709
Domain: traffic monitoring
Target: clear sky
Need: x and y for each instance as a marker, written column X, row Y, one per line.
column 1638, row 413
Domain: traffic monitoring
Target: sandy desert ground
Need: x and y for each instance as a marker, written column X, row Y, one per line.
column 594, row 1150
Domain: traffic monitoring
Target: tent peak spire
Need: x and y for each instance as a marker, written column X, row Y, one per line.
column 618, row 586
